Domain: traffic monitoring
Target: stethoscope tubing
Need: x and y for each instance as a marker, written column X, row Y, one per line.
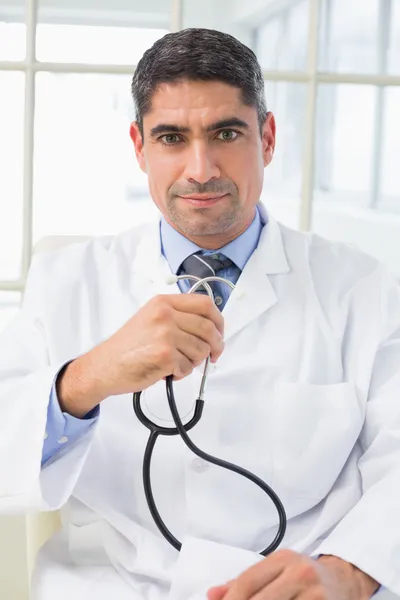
column 180, row 429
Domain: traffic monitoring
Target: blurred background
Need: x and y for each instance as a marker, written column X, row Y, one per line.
column 67, row 165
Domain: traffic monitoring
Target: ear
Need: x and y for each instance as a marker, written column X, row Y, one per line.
column 268, row 138
column 137, row 140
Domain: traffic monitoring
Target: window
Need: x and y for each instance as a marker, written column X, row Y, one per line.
column 87, row 179
column 345, row 140
column 12, row 40
column 356, row 180
column 11, row 177
column 283, row 177
column 91, row 44
column 349, row 36
column 332, row 72
column 281, row 41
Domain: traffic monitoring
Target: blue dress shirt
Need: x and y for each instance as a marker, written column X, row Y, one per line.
column 64, row 429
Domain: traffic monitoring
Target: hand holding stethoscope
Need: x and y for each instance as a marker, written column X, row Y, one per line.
column 182, row 430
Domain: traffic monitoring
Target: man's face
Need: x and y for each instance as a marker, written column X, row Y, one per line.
column 204, row 156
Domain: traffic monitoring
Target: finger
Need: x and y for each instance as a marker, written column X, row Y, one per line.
column 284, row 588
column 198, row 304
column 203, row 329
column 252, row 581
column 183, row 366
column 195, row 349
column 298, row 576
column 218, row 593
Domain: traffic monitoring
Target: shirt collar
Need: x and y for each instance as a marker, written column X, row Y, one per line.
column 176, row 247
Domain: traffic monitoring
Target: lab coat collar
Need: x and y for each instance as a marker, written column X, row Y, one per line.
column 274, row 260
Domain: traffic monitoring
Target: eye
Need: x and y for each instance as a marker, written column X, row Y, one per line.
column 228, row 135
column 170, row 139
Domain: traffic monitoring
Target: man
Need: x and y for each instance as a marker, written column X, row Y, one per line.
column 303, row 390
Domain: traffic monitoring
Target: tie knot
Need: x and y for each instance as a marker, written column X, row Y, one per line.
column 204, row 266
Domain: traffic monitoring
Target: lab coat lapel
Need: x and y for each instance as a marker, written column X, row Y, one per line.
column 254, row 293
column 151, row 270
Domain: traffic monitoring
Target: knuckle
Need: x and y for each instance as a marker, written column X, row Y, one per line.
column 318, row 593
column 201, row 351
column 220, row 344
column 158, row 300
column 205, row 299
column 165, row 354
column 286, row 555
column 162, row 313
column 206, row 304
column 208, row 328
column 161, row 308
column 306, row 573
column 189, row 369
column 185, row 368
column 164, row 333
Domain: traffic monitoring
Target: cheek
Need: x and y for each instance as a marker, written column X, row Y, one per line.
column 246, row 170
column 162, row 174
column 155, row 168
column 162, row 166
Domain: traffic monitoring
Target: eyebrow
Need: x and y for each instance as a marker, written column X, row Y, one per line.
column 223, row 124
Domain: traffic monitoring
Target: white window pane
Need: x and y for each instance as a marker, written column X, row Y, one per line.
column 391, row 150
column 9, row 304
column 345, row 136
column 394, row 47
column 12, row 30
column 110, row 32
column 11, row 155
column 283, row 177
column 87, row 180
column 282, row 38
column 223, row 15
column 348, row 159
column 349, row 35
column 258, row 26
column 92, row 45
column 12, row 41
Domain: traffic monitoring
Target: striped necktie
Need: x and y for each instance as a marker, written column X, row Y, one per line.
column 205, row 266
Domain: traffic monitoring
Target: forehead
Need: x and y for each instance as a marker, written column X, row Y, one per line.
column 187, row 101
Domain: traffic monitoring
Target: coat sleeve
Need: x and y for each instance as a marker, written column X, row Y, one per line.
column 26, row 380
column 369, row 535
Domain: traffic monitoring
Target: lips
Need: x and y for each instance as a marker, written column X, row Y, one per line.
column 202, row 201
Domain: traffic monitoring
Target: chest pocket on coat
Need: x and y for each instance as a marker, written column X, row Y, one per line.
column 314, row 429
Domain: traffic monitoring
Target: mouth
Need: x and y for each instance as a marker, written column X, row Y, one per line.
column 201, row 200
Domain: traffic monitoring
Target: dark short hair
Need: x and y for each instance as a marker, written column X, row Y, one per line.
column 198, row 55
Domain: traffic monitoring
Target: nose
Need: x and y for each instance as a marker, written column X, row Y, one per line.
column 200, row 164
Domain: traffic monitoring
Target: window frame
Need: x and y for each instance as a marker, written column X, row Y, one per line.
column 311, row 76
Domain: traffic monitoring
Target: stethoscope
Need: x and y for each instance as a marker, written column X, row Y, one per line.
column 180, row 429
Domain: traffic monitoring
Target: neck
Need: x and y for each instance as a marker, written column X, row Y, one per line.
column 219, row 240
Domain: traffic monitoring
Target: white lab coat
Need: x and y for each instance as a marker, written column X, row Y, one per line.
column 306, row 395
